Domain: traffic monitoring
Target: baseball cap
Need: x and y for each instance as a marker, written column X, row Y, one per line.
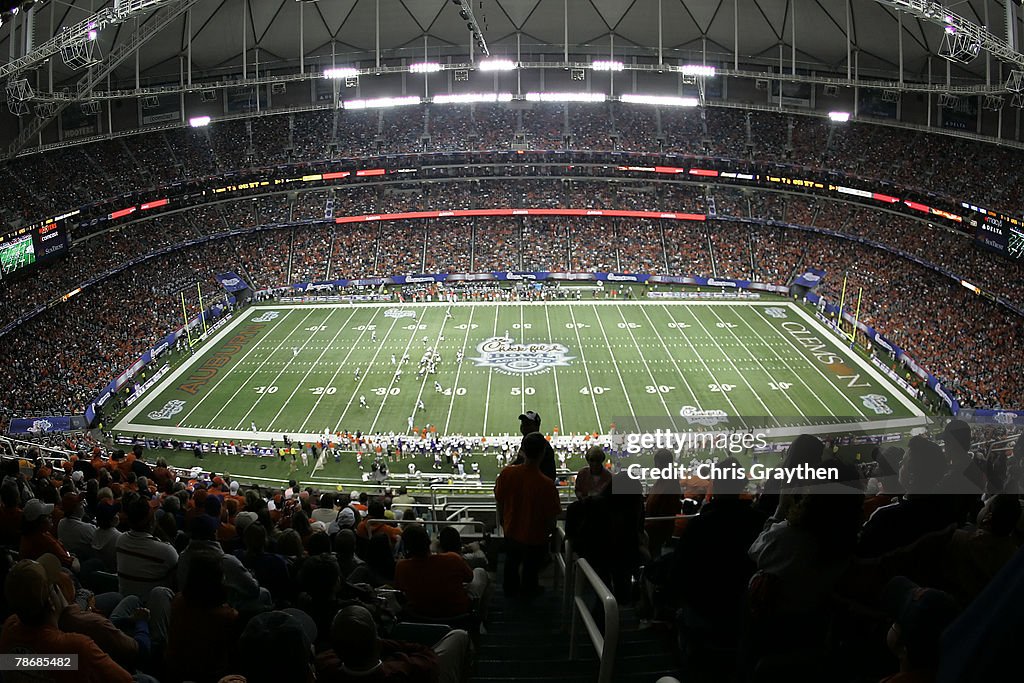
column 346, row 517
column 233, row 487
column 27, row 588
column 78, row 476
column 530, row 415
column 274, row 643
column 922, row 614
column 35, row 508
column 244, row 519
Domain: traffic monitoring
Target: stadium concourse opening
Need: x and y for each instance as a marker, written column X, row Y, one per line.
column 490, row 341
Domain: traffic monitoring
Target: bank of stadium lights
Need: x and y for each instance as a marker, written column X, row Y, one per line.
column 839, row 116
column 496, row 65
column 381, row 102
column 564, row 97
column 471, row 98
column 425, row 67
column 661, row 100
column 199, row 121
column 607, row 65
column 702, row 70
column 340, row 73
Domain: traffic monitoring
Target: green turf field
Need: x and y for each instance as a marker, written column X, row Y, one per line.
column 292, row 369
column 17, row 254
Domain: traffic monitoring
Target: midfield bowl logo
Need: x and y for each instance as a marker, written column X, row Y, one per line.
column 509, row 358
column 266, row 317
column 399, row 313
column 170, row 409
column 775, row 312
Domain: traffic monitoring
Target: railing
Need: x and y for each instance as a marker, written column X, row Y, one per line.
column 606, row 643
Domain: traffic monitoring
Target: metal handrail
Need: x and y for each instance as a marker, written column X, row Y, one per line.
column 430, row 522
column 607, row 643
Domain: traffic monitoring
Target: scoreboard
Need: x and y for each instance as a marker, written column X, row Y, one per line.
column 1001, row 234
column 23, row 248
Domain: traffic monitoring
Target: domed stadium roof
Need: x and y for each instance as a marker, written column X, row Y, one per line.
column 745, row 33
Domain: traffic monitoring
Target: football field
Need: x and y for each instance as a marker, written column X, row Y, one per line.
column 303, row 369
column 17, row 254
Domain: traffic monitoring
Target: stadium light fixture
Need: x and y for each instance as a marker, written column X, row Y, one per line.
column 607, row 65
column 497, row 65
column 468, row 98
column 381, row 102
column 199, row 121
column 564, row 97
column 662, row 100
column 425, row 67
column 341, row 72
column 697, row 70
column 839, row 116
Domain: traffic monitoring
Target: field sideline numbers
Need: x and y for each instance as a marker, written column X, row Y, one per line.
column 320, row 391
column 660, row 389
column 384, row 391
column 266, row 390
column 596, row 391
column 721, row 387
column 525, row 391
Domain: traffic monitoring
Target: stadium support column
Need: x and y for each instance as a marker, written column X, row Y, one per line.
column 849, row 66
column 245, row 8
column 792, row 15
column 302, row 37
column 1011, row 22
column 899, row 42
column 376, row 28
column 565, row 35
column 736, row 34
column 660, row 60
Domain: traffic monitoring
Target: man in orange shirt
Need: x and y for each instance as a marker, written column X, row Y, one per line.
column 435, row 585
column 367, row 529
column 527, row 507
column 32, row 630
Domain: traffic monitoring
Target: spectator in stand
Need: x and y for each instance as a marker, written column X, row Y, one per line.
column 278, row 646
column 449, row 541
column 36, row 539
column 919, row 617
column 919, row 511
column 37, row 604
column 884, row 486
column 594, row 478
column 370, row 527
column 663, row 500
column 403, row 501
column 710, row 568
column 72, row 532
column 357, row 654
column 379, row 566
column 10, row 515
column 241, row 588
column 143, row 561
column 269, row 569
column 437, row 585
column 529, row 423
column 964, row 481
column 201, row 621
column 344, row 544
column 527, row 507
column 130, row 651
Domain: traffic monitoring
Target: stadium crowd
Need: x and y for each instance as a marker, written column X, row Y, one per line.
column 149, row 572
column 981, row 373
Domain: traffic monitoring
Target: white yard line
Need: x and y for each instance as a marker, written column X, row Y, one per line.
column 586, row 370
column 362, row 377
column 387, row 392
column 458, row 371
column 799, row 375
column 861, row 363
column 273, row 382
column 554, row 372
column 615, row 364
column 753, row 357
column 343, row 363
column 725, row 394
column 490, row 376
column 522, row 378
column 643, row 359
column 743, row 377
column 301, row 383
column 426, row 376
column 253, row 373
column 679, row 370
column 234, row 366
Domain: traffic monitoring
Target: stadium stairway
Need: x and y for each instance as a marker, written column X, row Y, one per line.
column 528, row 640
